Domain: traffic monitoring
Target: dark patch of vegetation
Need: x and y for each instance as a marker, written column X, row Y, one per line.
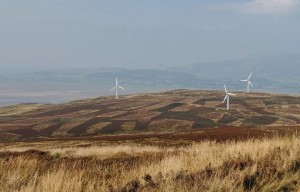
column 141, row 126
column 282, row 100
column 202, row 110
column 51, row 129
column 29, row 153
column 203, row 101
column 192, row 115
column 70, row 109
column 131, row 186
column 114, row 127
column 295, row 166
column 147, row 178
column 241, row 102
column 261, row 110
column 59, row 120
column 236, row 165
column 293, row 118
column 200, row 102
column 149, row 181
column 261, row 120
column 249, row 182
column 179, row 115
column 203, row 123
column 81, row 129
column 27, row 132
column 289, row 187
column 57, row 155
column 168, row 107
column 227, row 118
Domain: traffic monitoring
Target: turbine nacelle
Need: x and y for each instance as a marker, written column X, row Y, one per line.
column 248, row 82
column 231, row 94
column 227, row 96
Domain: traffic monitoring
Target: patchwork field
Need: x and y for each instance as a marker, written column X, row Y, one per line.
column 180, row 112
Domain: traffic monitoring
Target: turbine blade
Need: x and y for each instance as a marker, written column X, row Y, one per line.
column 113, row 88
column 250, row 83
column 244, row 80
column 225, row 98
column 249, row 76
column 121, row 87
column 225, row 88
column 117, row 82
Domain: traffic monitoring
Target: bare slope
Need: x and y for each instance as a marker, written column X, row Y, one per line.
column 179, row 111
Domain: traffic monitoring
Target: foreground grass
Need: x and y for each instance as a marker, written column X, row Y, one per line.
column 270, row 164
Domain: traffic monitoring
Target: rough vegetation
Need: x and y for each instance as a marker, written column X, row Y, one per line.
column 267, row 164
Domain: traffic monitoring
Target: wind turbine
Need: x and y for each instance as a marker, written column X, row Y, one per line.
column 227, row 97
column 248, row 83
column 116, row 88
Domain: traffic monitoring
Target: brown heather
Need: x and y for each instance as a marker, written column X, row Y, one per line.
column 268, row 164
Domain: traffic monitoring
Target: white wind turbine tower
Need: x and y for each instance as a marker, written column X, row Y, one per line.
column 248, row 83
column 116, row 88
column 227, row 97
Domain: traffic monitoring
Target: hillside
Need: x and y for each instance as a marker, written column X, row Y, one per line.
column 179, row 111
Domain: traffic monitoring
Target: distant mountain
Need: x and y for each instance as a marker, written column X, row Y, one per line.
column 271, row 73
column 147, row 77
column 266, row 66
column 56, row 86
column 274, row 72
column 141, row 77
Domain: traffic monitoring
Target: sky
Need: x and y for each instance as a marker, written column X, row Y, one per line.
column 48, row 34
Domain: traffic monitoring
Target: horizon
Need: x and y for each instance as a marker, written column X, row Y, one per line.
column 66, row 98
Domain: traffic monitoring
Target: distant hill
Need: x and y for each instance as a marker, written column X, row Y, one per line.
column 140, row 77
column 273, row 72
column 267, row 66
column 163, row 112
column 56, row 86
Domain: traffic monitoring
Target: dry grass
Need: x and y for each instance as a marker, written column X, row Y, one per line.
column 128, row 126
column 164, row 125
column 62, row 131
column 270, row 164
column 19, row 109
column 97, row 127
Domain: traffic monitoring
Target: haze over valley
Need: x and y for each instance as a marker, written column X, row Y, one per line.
column 273, row 73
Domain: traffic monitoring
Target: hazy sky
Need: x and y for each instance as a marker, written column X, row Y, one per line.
column 43, row 34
